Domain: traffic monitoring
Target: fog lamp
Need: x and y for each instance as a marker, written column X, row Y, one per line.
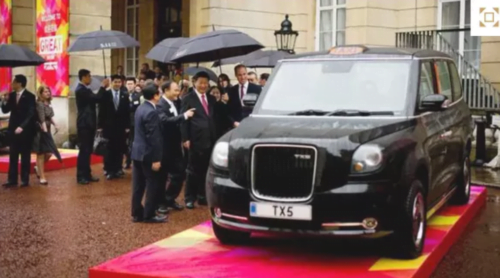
column 370, row 223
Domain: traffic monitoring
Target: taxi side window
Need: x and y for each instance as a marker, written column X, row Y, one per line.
column 455, row 81
column 426, row 84
column 443, row 79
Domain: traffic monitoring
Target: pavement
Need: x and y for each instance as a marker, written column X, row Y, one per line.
column 63, row 229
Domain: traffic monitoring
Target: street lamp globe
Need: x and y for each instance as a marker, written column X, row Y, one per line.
column 286, row 37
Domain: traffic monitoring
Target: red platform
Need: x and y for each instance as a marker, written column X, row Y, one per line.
column 196, row 253
column 69, row 158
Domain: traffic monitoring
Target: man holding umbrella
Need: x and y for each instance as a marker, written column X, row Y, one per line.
column 21, row 106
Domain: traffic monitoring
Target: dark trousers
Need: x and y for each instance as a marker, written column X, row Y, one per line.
column 197, row 167
column 86, row 139
column 173, row 173
column 113, row 159
column 144, row 179
column 20, row 145
column 129, row 147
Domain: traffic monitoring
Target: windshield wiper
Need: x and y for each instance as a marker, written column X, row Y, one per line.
column 351, row 112
column 309, row 112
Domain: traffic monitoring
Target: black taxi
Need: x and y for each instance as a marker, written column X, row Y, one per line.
column 355, row 141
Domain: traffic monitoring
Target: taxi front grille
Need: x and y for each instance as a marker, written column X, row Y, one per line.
column 283, row 172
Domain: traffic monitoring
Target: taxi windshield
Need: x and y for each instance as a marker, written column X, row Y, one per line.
column 332, row 85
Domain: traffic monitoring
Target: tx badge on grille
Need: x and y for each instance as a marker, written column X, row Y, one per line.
column 302, row 156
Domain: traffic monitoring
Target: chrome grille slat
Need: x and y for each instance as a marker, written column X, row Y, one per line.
column 283, row 173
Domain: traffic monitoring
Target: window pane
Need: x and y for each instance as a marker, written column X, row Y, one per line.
column 136, row 67
column 473, row 57
column 325, row 41
column 467, row 13
column 450, row 15
column 340, row 38
column 340, row 19
column 426, row 88
column 324, row 3
column 130, row 2
column 325, row 21
column 130, row 68
column 136, row 35
column 340, row 2
column 130, row 16
column 130, row 53
column 457, row 84
column 444, row 82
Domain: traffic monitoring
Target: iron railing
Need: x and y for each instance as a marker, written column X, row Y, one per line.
column 479, row 93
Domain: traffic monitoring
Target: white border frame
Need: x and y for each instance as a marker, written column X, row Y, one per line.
column 136, row 22
column 333, row 8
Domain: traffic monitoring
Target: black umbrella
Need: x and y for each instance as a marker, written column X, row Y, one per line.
column 237, row 59
column 12, row 55
column 166, row 49
column 95, row 83
column 194, row 70
column 103, row 39
column 216, row 45
column 266, row 59
column 50, row 141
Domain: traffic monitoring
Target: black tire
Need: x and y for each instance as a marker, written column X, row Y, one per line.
column 230, row 237
column 409, row 235
column 462, row 184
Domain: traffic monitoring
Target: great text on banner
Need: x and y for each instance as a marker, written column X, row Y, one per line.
column 5, row 38
column 52, row 40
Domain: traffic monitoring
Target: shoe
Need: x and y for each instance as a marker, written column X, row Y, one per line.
column 156, row 219
column 190, row 205
column 202, row 202
column 163, row 210
column 25, row 184
column 137, row 219
column 9, row 184
column 110, row 177
column 176, row 206
column 44, row 182
column 36, row 172
column 120, row 174
column 83, row 182
column 93, row 179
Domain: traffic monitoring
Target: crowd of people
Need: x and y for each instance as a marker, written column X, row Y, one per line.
column 163, row 126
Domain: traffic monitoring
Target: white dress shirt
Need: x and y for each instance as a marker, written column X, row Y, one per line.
column 18, row 96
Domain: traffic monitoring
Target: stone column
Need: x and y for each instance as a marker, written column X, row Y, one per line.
column 490, row 60
column 23, row 33
column 147, row 31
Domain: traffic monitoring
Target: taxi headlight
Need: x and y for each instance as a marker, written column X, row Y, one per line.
column 366, row 158
column 220, row 153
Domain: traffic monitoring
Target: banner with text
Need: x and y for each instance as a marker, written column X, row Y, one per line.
column 5, row 38
column 52, row 40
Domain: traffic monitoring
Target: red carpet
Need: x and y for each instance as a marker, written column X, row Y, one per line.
column 196, row 253
column 68, row 156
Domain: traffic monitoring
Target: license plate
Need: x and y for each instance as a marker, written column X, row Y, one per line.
column 281, row 211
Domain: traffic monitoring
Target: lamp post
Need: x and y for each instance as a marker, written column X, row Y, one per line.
column 286, row 37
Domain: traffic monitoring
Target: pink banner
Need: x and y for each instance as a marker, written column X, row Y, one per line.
column 52, row 40
column 5, row 38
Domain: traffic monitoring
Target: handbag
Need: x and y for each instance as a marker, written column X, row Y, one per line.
column 100, row 144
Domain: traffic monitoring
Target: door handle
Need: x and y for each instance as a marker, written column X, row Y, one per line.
column 445, row 134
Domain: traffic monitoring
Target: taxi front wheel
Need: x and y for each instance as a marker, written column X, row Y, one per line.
column 229, row 237
column 409, row 235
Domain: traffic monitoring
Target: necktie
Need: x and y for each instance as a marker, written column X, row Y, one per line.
column 242, row 93
column 18, row 97
column 116, row 100
column 204, row 103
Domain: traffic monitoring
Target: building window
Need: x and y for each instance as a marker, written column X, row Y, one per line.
column 455, row 14
column 330, row 23
column 132, row 28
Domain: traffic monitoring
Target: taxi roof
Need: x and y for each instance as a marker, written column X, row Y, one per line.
column 373, row 53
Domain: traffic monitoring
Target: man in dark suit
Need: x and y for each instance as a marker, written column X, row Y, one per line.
column 173, row 160
column 199, row 136
column 86, row 124
column 236, row 94
column 21, row 106
column 135, row 101
column 147, row 153
column 114, row 121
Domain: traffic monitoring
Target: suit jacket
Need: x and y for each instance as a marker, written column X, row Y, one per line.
column 22, row 113
column 200, row 129
column 135, row 101
column 113, row 121
column 148, row 145
column 171, row 130
column 86, row 102
column 237, row 113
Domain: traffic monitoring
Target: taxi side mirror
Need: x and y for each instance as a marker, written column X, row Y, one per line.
column 434, row 102
column 250, row 99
